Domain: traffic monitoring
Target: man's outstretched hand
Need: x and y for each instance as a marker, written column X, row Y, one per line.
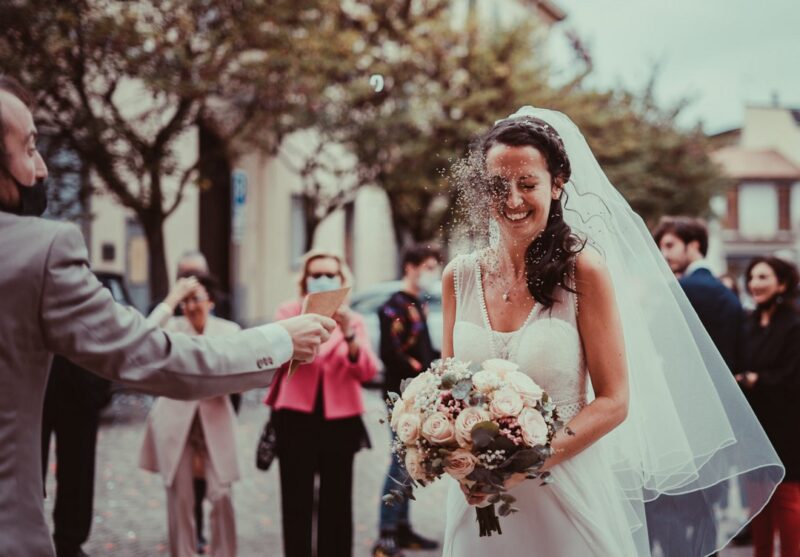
column 308, row 332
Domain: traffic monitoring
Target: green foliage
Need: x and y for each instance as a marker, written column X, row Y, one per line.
column 445, row 84
column 257, row 70
column 119, row 83
column 658, row 167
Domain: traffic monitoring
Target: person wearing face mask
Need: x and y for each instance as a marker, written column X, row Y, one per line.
column 406, row 350
column 21, row 165
column 771, row 383
column 317, row 419
column 54, row 305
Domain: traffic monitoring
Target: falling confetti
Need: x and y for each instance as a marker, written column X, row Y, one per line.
column 376, row 82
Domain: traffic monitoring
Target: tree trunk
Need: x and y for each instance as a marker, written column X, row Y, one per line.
column 311, row 220
column 153, row 226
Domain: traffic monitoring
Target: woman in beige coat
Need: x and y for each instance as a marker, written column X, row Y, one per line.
column 189, row 439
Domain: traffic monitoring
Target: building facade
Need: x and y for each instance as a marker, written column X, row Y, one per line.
column 760, row 212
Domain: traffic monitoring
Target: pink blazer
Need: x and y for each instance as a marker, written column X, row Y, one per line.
column 170, row 420
column 340, row 378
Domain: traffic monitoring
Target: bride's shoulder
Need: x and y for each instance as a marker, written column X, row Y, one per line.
column 591, row 270
column 454, row 271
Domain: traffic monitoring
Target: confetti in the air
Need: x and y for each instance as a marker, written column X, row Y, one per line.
column 376, row 82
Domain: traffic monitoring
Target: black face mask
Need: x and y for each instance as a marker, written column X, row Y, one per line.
column 32, row 199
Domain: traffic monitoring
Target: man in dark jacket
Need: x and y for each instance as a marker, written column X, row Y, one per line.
column 406, row 350
column 683, row 242
column 72, row 407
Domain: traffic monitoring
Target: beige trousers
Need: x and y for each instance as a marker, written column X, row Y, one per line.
column 180, row 511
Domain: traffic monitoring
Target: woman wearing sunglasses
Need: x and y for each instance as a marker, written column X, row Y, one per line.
column 317, row 417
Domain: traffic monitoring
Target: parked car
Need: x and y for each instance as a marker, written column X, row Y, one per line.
column 116, row 285
column 367, row 302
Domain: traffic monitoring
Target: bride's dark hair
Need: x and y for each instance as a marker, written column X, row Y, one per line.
column 550, row 256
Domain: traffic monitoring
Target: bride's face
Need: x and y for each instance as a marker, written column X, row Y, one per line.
column 521, row 188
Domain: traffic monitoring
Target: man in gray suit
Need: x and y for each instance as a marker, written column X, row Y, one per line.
column 50, row 303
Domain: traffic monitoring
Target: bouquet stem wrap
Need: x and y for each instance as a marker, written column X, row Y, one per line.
column 488, row 522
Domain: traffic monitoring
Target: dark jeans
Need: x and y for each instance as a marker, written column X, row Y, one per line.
column 76, row 440
column 396, row 515
column 685, row 532
column 310, row 446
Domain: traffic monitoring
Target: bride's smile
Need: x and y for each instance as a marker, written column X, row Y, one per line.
column 522, row 189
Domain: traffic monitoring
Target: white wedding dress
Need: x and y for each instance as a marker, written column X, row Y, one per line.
column 582, row 512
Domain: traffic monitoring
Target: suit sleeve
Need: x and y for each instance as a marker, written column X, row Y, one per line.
column 81, row 321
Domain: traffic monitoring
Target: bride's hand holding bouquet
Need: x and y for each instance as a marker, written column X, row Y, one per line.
column 489, row 429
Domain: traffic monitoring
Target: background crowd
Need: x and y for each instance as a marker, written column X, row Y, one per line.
column 315, row 428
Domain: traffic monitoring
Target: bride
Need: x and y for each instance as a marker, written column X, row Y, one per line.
column 569, row 286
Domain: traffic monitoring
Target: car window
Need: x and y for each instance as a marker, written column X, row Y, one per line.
column 370, row 303
column 117, row 292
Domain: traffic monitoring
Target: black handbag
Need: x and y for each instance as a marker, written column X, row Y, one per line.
column 267, row 446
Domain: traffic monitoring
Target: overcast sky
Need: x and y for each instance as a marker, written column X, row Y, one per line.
column 724, row 54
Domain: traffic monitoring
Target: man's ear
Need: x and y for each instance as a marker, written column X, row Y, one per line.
column 694, row 245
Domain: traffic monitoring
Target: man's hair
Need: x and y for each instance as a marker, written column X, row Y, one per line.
column 687, row 229
column 14, row 87
column 191, row 254
column 419, row 253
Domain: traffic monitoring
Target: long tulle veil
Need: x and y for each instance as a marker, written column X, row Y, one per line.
column 690, row 436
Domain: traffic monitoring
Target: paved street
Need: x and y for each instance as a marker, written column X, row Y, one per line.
column 130, row 514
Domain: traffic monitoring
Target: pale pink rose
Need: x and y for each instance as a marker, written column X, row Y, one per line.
column 527, row 388
column 533, row 426
column 460, row 463
column 466, row 420
column 485, row 381
column 438, row 429
column 500, row 367
column 400, row 407
column 408, row 427
column 414, row 465
column 505, row 402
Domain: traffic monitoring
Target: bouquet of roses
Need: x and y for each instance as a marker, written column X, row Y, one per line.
column 480, row 427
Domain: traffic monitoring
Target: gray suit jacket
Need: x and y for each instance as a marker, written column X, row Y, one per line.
column 50, row 302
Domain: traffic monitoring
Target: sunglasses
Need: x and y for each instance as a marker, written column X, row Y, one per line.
column 194, row 300
column 320, row 275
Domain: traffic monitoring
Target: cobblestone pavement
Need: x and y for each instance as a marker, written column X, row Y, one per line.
column 130, row 514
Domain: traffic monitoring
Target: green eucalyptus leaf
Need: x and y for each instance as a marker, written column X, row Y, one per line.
column 448, row 381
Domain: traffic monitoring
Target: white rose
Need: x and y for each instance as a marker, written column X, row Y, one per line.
column 399, row 408
column 417, row 384
column 414, row 465
column 527, row 388
column 500, row 367
column 505, row 402
column 485, row 381
column 438, row 429
column 466, row 420
column 460, row 463
column 408, row 428
column 533, row 426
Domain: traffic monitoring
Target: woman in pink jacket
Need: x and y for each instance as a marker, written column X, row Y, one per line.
column 189, row 439
column 317, row 416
